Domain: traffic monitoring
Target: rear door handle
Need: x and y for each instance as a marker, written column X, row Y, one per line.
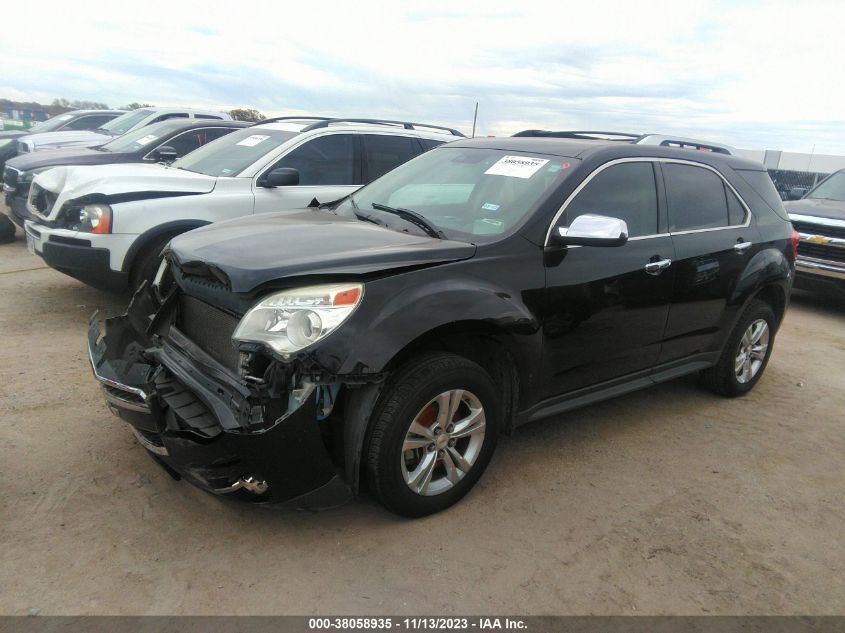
column 741, row 247
column 655, row 268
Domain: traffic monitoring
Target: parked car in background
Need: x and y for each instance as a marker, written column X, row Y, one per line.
column 661, row 140
column 106, row 225
column 161, row 142
column 69, row 121
column 819, row 218
column 390, row 337
column 115, row 127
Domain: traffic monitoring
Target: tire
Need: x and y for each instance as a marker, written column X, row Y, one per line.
column 147, row 261
column 725, row 377
column 412, row 395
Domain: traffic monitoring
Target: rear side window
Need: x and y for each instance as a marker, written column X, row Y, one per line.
column 383, row 152
column 696, row 198
column 88, row 122
column 326, row 160
column 625, row 191
column 187, row 142
column 762, row 184
column 172, row 115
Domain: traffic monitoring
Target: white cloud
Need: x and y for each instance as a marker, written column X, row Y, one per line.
column 753, row 74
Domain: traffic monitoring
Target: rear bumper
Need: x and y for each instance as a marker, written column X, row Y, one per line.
column 187, row 412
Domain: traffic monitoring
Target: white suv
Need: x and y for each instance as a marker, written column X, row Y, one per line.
column 118, row 126
column 106, row 225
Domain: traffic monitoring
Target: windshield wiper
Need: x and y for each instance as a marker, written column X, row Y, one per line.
column 413, row 217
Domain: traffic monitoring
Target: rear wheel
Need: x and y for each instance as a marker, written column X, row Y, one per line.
column 746, row 354
column 434, row 432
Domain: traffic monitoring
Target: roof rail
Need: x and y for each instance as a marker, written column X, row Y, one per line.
column 291, row 118
column 324, row 122
column 586, row 135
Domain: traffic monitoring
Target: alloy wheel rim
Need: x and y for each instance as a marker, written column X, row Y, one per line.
column 443, row 442
column 752, row 351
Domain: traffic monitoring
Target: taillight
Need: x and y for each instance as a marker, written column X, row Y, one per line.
column 795, row 239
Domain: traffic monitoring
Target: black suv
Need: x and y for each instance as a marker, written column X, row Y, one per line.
column 386, row 340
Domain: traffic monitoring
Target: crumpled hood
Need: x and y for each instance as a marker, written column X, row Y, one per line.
column 830, row 209
column 66, row 138
column 113, row 182
column 255, row 250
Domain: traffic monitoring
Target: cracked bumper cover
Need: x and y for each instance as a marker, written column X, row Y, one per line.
column 155, row 388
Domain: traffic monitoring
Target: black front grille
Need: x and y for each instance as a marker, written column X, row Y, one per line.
column 820, row 229
column 820, row 251
column 210, row 328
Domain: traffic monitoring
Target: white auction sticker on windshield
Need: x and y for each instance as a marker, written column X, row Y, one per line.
column 252, row 141
column 516, row 166
column 146, row 140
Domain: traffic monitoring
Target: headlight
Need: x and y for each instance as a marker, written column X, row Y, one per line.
column 95, row 218
column 294, row 319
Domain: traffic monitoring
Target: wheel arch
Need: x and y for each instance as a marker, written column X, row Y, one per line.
column 177, row 227
column 488, row 345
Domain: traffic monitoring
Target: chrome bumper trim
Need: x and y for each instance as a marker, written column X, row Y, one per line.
column 153, row 448
column 819, row 267
column 250, row 483
column 143, row 407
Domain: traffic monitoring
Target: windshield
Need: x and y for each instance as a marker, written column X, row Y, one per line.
column 831, row 189
column 53, row 123
column 466, row 193
column 125, row 122
column 147, row 136
column 231, row 154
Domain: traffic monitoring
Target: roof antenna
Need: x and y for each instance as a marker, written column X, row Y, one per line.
column 474, row 119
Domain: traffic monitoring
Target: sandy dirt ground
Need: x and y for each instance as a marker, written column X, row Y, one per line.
column 668, row 501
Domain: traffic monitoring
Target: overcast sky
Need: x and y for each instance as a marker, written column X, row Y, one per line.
column 757, row 75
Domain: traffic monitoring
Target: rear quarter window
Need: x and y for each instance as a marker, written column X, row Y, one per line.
column 762, row 184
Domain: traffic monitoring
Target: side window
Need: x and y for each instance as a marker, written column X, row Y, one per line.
column 207, row 116
column 187, row 142
column 383, row 152
column 696, row 198
column 626, row 191
column 88, row 122
column 736, row 212
column 326, row 160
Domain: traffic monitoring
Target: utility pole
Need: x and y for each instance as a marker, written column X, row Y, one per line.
column 474, row 119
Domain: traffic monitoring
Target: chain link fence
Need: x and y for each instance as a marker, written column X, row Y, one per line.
column 787, row 179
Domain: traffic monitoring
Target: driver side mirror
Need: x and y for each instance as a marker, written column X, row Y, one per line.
column 593, row 230
column 796, row 193
column 281, row 177
column 166, row 154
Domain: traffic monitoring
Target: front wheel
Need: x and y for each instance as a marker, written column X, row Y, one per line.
column 433, row 434
column 746, row 353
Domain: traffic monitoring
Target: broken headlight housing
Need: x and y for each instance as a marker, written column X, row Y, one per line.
column 291, row 320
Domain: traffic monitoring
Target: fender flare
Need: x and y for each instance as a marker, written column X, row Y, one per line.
column 767, row 268
column 176, row 227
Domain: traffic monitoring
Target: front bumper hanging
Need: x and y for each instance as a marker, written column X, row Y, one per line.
column 186, row 410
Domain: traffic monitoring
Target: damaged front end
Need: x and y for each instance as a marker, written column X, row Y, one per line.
column 233, row 423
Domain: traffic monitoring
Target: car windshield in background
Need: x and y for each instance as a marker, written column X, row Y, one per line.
column 231, row 154
column 831, row 189
column 52, row 123
column 147, row 136
column 125, row 122
column 467, row 194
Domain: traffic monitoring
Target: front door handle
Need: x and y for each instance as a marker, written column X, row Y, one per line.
column 741, row 247
column 655, row 268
